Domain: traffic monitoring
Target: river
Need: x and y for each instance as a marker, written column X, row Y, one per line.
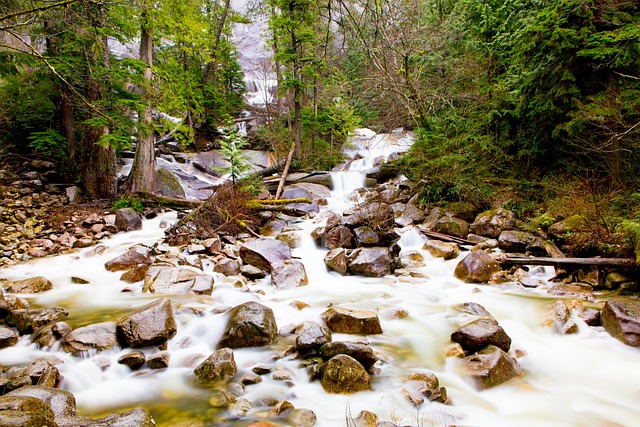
column 586, row 379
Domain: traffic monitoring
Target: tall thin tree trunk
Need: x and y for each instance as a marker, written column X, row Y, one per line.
column 297, row 93
column 142, row 177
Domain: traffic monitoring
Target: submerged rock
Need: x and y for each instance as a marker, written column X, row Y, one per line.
column 249, row 325
column 343, row 374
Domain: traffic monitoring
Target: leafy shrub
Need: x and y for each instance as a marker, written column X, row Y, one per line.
column 49, row 143
column 128, row 202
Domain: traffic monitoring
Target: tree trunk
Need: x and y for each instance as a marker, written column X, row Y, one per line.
column 142, row 176
column 99, row 161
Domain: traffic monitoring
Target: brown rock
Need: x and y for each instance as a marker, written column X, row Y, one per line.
column 263, row 253
column 490, row 366
column 219, row 366
column 477, row 267
column 249, row 325
column 439, row 249
column 480, row 333
column 350, row 321
column 96, row 337
column 31, row 285
column 343, row 374
column 288, row 274
column 128, row 260
column 621, row 318
column 336, row 260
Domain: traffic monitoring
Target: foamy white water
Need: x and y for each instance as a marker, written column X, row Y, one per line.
column 584, row 380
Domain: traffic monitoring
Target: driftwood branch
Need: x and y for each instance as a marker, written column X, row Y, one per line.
column 444, row 237
column 172, row 202
column 565, row 262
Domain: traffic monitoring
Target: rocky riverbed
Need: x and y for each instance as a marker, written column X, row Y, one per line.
column 259, row 330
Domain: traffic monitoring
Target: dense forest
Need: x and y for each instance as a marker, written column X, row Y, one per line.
column 530, row 104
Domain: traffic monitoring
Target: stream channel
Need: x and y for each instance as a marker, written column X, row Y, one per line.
column 586, row 379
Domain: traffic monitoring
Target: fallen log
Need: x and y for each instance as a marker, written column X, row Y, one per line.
column 444, row 237
column 170, row 202
column 565, row 262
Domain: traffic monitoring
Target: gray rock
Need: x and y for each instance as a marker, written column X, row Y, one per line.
column 249, row 325
column 521, row 242
column 310, row 336
column 167, row 184
column 219, row 366
column 370, row 262
column 477, row 267
column 288, row 274
column 96, row 337
column 365, row 236
column 493, row 222
column 127, row 220
column 31, row 285
column 621, row 318
column 452, row 226
column 343, row 374
column 150, row 325
column 177, row 280
column 60, row 403
column 490, row 366
column 480, row 333
column 350, row 321
column 227, row 266
column 263, row 253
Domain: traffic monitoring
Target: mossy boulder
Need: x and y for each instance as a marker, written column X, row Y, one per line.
column 167, row 184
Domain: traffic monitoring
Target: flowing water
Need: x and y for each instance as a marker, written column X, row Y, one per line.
column 588, row 379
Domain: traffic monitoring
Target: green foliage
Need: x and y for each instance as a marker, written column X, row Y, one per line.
column 231, row 148
column 128, row 202
column 49, row 143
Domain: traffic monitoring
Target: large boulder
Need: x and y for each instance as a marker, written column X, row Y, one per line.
column 361, row 352
column 263, row 253
column 59, row 403
column 490, row 366
column 343, row 374
column 493, row 222
column 370, row 262
column 31, row 285
column 127, row 220
column 177, row 280
column 167, row 184
column 150, row 325
column 310, row 336
column 128, row 260
column 249, row 325
column 480, row 333
column 8, row 338
column 621, row 318
column 477, row 267
column 288, row 274
column 95, row 337
column 219, row 366
column 24, row 411
column 350, row 321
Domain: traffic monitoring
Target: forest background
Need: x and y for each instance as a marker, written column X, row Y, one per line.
column 531, row 105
